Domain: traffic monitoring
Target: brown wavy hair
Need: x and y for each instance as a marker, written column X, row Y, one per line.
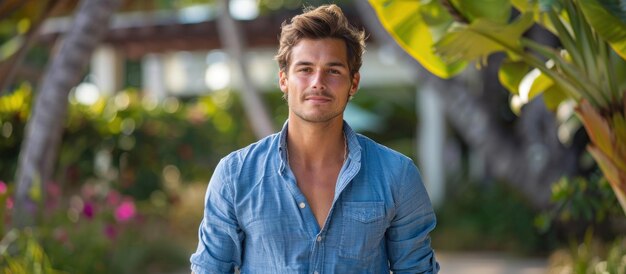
column 327, row 21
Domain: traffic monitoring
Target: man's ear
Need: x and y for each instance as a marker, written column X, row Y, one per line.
column 356, row 78
column 282, row 80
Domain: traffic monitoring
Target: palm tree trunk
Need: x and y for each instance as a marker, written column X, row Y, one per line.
column 233, row 41
column 44, row 129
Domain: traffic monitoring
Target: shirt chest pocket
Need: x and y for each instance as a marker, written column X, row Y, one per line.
column 363, row 229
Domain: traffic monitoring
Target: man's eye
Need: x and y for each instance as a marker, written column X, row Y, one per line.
column 334, row 71
column 305, row 69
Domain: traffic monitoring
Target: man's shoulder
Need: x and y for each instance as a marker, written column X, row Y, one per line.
column 380, row 151
column 253, row 150
column 248, row 160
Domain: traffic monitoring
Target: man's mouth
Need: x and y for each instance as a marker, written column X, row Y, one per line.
column 317, row 99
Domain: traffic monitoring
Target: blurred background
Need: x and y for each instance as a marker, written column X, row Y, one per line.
column 145, row 97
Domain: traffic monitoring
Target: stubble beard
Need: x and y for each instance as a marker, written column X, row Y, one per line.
column 319, row 116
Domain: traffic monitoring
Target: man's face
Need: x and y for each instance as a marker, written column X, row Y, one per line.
column 318, row 82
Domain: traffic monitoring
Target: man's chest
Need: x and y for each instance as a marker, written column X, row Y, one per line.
column 278, row 220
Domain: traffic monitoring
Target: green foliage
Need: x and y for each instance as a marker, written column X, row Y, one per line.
column 492, row 37
column 140, row 149
column 21, row 253
column 580, row 199
column 591, row 257
column 582, row 69
column 129, row 140
column 96, row 230
column 608, row 18
column 486, row 217
column 416, row 26
column 587, row 204
column 494, row 10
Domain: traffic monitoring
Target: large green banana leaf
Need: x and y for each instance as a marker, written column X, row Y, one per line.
column 608, row 19
column 416, row 26
column 495, row 10
column 482, row 38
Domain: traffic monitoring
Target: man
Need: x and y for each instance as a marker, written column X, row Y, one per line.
column 316, row 197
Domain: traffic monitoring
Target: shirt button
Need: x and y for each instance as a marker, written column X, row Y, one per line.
column 302, row 205
column 319, row 238
column 316, row 272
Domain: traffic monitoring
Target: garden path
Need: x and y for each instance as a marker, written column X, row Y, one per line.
column 489, row 263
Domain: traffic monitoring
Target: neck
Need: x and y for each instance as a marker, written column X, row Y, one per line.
column 318, row 145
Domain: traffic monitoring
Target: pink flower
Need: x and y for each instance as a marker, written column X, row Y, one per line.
column 113, row 198
column 88, row 210
column 88, row 191
column 3, row 187
column 110, row 231
column 54, row 194
column 125, row 211
column 53, row 189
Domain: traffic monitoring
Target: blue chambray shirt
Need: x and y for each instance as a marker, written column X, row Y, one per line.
column 257, row 219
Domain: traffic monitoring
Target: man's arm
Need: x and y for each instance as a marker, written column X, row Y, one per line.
column 407, row 238
column 219, row 236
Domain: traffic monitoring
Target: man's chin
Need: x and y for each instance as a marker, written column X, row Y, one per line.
column 318, row 118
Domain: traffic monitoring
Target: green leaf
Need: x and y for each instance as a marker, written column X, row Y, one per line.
column 498, row 11
column 404, row 21
column 437, row 18
column 541, row 17
column 619, row 67
column 482, row 38
column 553, row 97
column 526, row 6
column 539, row 84
column 609, row 24
column 511, row 74
column 434, row 14
column 545, row 5
column 10, row 47
column 615, row 7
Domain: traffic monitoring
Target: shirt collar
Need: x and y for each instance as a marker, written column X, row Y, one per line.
column 354, row 148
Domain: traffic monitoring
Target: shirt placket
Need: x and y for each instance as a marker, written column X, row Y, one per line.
column 348, row 172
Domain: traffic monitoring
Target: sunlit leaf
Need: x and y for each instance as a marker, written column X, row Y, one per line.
column 511, row 74
column 610, row 25
column 434, row 14
column 524, row 5
column 540, row 84
column 404, row 21
column 498, row 11
column 553, row 97
column 10, row 47
column 540, row 17
column 482, row 38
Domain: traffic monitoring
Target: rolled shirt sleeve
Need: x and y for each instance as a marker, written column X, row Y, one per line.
column 407, row 238
column 219, row 237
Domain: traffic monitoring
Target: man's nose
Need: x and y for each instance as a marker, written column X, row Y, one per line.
column 318, row 80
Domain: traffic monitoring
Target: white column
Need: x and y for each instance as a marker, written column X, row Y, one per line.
column 431, row 134
column 153, row 77
column 107, row 68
